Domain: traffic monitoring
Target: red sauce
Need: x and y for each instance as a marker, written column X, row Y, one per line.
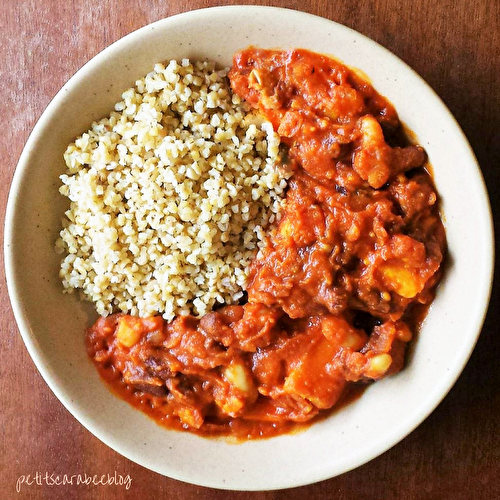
column 336, row 295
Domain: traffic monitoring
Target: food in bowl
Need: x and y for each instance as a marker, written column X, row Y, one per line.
column 336, row 290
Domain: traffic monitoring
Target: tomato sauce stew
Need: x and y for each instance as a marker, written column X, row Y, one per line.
column 336, row 295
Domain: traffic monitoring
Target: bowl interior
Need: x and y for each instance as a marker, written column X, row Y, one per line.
column 52, row 324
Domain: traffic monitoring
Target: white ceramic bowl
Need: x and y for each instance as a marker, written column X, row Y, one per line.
column 52, row 324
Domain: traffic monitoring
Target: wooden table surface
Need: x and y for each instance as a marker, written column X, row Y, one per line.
column 455, row 46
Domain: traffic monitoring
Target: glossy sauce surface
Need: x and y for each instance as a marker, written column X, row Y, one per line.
column 337, row 293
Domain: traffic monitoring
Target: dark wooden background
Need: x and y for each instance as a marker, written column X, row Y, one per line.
column 455, row 46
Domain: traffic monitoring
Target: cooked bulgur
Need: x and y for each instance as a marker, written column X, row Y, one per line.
column 170, row 196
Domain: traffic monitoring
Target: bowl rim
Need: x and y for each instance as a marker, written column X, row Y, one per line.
column 16, row 300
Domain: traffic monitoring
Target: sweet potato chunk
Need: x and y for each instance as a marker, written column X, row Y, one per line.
column 313, row 378
column 131, row 329
column 401, row 280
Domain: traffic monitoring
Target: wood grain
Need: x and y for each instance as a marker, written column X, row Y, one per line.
column 455, row 46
